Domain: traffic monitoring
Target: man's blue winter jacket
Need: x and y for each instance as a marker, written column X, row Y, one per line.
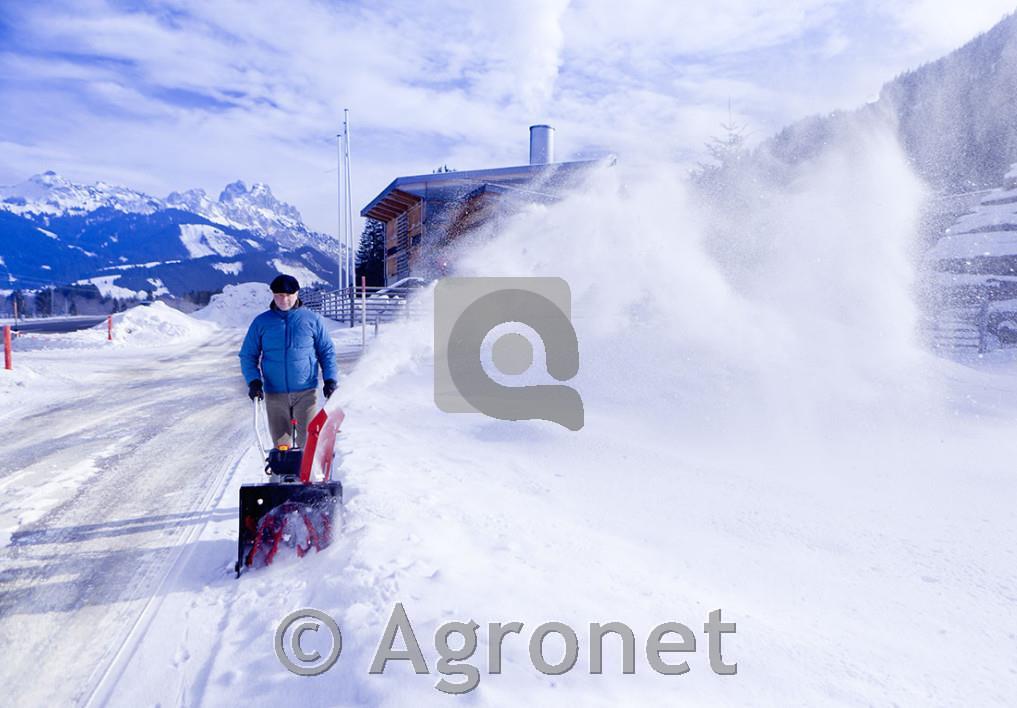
column 284, row 348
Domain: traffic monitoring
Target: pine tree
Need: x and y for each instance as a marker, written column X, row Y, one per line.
column 371, row 253
column 44, row 302
column 728, row 153
column 22, row 303
column 734, row 191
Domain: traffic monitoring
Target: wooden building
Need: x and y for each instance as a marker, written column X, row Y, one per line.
column 425, row 214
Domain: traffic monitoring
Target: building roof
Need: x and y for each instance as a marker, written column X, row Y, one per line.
column 541, row 181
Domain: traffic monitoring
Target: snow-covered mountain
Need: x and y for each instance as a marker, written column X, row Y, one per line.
column 256, row 209
column 56, row 232
column 49, row 193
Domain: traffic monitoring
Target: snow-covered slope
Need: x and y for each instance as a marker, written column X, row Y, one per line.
column 202, row 240
column 953, row 116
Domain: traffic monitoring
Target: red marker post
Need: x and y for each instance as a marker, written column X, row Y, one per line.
column 109, row 328
column 8, row 358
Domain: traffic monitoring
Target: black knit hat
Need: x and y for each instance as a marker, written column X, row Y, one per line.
column 285, row 284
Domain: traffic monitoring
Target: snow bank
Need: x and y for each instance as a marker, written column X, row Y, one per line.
column 157, row 323
column 140, row 326
column 16, row 383
column 236, row 305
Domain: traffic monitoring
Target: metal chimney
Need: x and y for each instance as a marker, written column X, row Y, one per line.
column 541, row 144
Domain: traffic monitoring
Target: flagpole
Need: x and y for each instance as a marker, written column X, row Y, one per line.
column 339, row 225
column 349, row 197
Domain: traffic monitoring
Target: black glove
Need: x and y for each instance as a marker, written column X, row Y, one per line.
column 329, row 388
column 256, row 390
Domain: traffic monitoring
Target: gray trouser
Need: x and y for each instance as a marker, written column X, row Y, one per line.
column 281, row 408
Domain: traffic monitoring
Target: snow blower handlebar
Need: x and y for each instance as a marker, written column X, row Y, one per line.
column 262, row 448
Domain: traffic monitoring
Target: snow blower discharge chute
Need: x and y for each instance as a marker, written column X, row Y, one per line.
column 290, row 513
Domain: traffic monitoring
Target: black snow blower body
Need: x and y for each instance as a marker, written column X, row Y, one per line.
column 291, row 513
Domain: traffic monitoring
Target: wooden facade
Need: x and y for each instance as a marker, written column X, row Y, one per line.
column 403, row 234
column 425, row 215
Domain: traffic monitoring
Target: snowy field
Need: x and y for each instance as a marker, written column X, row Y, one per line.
column 763, row 436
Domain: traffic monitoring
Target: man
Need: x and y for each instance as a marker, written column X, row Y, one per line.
column 284, row 346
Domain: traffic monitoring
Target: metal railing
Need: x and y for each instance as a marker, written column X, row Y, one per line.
column 958, row 328
column 961, row 318
column 366, row 305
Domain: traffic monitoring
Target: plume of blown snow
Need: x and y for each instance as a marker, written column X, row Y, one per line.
column 796, row 319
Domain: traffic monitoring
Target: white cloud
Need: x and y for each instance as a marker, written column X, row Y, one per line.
column 204, row 93
column 937, row 26
column 688, row 28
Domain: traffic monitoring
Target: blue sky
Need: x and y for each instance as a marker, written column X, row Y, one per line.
column 164, row 96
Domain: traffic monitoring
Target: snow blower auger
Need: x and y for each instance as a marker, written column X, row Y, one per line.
column 290, row 513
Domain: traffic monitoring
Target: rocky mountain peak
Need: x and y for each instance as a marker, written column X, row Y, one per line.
column 233, row 191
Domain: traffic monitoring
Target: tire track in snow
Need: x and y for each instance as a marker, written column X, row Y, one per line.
column 77, row 578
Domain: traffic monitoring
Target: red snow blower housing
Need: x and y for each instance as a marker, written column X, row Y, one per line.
column 290, row 513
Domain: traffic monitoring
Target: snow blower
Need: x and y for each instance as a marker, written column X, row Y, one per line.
column 290, row 513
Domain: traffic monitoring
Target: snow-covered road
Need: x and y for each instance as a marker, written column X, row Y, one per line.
column 118, row 488
column 118, row 472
